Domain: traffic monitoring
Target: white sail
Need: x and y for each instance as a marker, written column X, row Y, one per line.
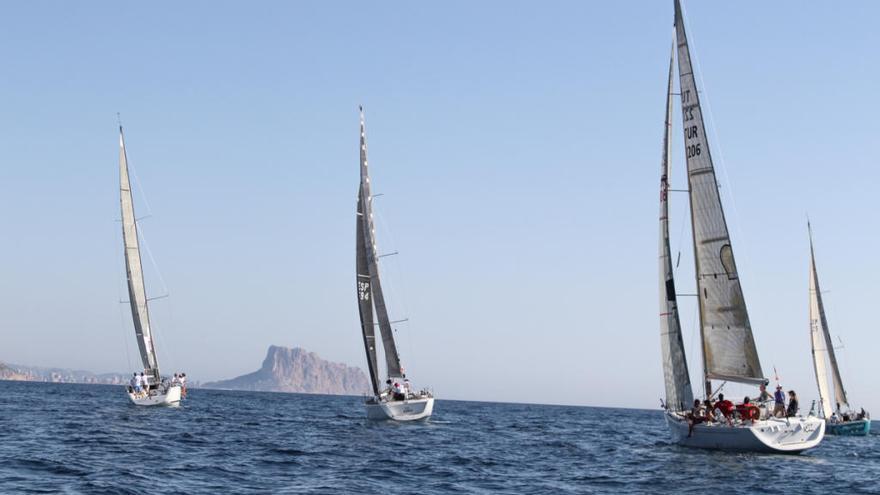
column 679, row 395
column 820, row 353
column 729, row 351
column 374, row 286
column 823, row 347
column 134, row 272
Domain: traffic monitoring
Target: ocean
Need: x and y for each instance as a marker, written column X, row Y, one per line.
column 62, row 438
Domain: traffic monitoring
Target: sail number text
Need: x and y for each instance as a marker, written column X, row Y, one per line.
column 364, row 291
column 691, row 134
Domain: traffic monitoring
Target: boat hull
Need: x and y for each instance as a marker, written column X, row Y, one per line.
column 858, row 428
column 774, row 435
column 404, row 410
column 171, row 397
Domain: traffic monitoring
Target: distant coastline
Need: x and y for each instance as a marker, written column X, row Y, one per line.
column 24, row 373
column 292, row 370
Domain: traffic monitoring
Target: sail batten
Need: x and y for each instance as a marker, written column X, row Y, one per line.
column 371, row 299
column 137, row 295
column 679, row 394
column 728, row 343
column 822, row 346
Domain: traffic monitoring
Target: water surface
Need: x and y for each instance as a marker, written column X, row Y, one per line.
column 89, row 439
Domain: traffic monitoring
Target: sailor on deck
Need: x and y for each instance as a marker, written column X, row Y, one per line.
column 399, row 392
column 779, row 402
column 135, row 383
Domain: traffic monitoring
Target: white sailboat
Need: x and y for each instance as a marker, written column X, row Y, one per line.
column 841, row 419
column 729, row 352
column 156, row 391
column 395, row 399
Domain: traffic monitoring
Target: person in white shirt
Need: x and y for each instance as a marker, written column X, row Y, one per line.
column 397, row 389
column 407, row 387
column 135, row 384
column 182, row 380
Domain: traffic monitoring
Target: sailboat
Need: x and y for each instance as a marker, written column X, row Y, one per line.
column 156, row 392
column 729, row 351
column 395, row 399
column 841, row 419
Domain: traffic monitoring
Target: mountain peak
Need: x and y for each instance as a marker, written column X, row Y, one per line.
column 295, row 369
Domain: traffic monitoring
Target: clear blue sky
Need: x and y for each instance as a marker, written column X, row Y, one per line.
column 517, row 146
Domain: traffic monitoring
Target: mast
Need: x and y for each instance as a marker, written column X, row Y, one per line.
column 372, row 287
column 679, row 395
column 137, row 293
column 821, row 341
column 729, row 351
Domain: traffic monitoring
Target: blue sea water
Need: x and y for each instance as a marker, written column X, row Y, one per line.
column 59, row 438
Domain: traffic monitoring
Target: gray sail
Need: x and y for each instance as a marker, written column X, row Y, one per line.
column 679, row 395
column 367, row 229
column 137, row 294
column 365, row 295
column 821, row 342
column 729, row 351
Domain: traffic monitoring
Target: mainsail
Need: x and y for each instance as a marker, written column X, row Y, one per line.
column 679, row 395
column 369, row 288
column 365, row 299
column 822, row 345
column 137, row 294
column 729, row 351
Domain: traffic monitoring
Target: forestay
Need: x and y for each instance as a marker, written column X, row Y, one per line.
column 137, row 294
column 369, row 286
column 821, row 344
column 729, row 351
column 679, row 395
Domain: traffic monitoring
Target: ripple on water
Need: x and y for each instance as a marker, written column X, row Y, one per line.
column 74, row 438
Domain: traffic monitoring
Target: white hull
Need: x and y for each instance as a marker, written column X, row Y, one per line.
column 403, row 410
column 780, row 435
column 171, row 397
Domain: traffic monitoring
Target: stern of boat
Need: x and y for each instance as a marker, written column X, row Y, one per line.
column 404, row 410
column 170, row 397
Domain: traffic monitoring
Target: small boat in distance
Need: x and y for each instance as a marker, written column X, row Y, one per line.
column 394, row 400
column 155, row 392
column 728, row 345
column 842, row 419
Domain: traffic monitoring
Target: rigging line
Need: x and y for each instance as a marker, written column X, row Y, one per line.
column 133, row 172
column 158, row 338
column 396, row 301
column 166, row 348
column 695, row 60
column 692, row 362
column 684, row 220
column 146, row 245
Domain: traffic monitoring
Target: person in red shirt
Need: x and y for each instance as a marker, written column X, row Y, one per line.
column 748, row 411
column 726, row 407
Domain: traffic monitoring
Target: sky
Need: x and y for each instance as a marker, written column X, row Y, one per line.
column 517, row 148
